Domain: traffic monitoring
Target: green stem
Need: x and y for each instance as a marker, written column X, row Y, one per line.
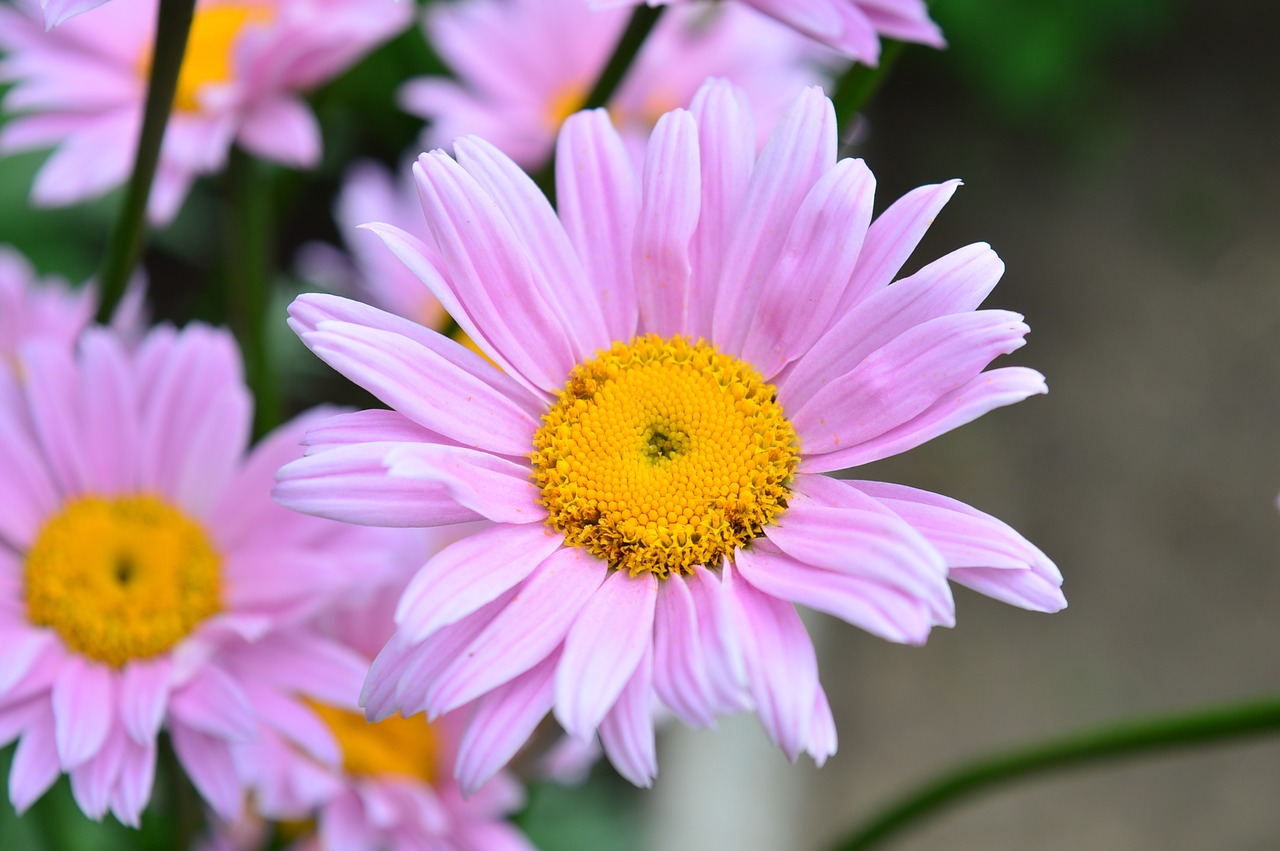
column 173, row 23
column 859, row 84
column 185, row 807
column 642, row 22
column 1126, row 739
column 250, row 224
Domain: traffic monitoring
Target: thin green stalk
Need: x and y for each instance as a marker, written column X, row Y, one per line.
column 642, row 22
column 183, row 802
column 859, row 84
column 173, row 23
column 250, row 227
column 1127, row 739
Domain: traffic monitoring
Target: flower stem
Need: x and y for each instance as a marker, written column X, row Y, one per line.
column 1126, row 739
column 642, row 22
column 173, row 23
column 854, row 90
column 250, row 224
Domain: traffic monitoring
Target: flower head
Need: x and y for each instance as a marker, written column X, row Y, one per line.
column 852, row 27
column 524, row 66
column 147, row 580
column 681, row 356
column 81, row 88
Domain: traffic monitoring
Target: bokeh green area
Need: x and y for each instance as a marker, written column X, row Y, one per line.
column 1037, row 77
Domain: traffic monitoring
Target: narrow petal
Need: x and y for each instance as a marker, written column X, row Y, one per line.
column 669, row 204
column 282, row 129
column 92, row 783
column 497, row 489
column 782, row 668
column 110, row 404
column 531, row 626
column 207, row 761
column 133, row 788
column 822, row 733
column 717, row 627
column 627, row 731
column 144, row 694
column 352, row 484
column 304, row 662
column 494, row 291
column 83, row 710
column 35, row 764
column 469, row 574
column 986, row 392
column 23, row 646
column 598, row 194
column 213, row 703
column 609, row 637
column 833, row 526
column 904, row 378
column 679, row 660
column 501, row 723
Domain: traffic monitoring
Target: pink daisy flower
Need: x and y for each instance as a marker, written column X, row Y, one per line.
column 682, row 355
column 852, row 27
column 370, row 194
column 524, row 66
column 148, row 581
column 81, row 88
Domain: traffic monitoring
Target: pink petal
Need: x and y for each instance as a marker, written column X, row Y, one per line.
column 23, row 646
column 491, row 287
column 35, row 764
column 609, row 637
column 986, row 392
column 57, row 11
column 833, row 526
column 493, row 487
column 27, row 489
column 598, row 195
column 133, row 787
column 627, row 731
column 904, row 378
column 213, row 703
column 782, row 668
column 527, row 631
column 717, row 627
column 92, row 783
column 822, row 733
column 801, row 148
column 372, row 426
column 144, row 695
column 470, row 573
column 502, row 721
column 110, row 405
column 352, row 484
column 207, row 761
column 669, row 203
column 282, row 129
column 302, row 661
column 51, row 386
column 83, row 710
column 679, row 661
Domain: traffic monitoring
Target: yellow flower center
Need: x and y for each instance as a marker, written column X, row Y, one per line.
column 662, row 455
column 210, row 54
column 402, row 746
column 121, row 579
column 564, row 102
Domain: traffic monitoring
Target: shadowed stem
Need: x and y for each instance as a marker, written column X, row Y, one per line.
column 642, row 22
column 1127, row 739
column 173, row 23
column 854, row 90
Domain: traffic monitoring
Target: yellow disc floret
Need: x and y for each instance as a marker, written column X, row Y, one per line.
column 406, row 747
column 661, row 455
column 121, row 579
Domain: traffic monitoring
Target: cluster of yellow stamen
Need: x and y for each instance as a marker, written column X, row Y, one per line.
column 661, row 455
column 405, row 747
column 210, row 55
column 121, row 579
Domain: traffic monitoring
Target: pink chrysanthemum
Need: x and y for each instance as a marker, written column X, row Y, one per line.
column 524, row 66
column 81, row 88
column 147, row 580
column 852, row 27
column 681, row 357
column 370, row 194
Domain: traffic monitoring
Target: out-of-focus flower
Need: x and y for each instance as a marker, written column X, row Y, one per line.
column 852, row 27
column 148, row 581
column 57, row 11
column 373, row 274
column 524, row 66
column 81, row 88
column 680, row 358
column 33, row 308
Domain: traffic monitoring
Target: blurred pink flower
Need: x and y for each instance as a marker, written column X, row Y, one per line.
column 524, row 66
column 33, row 308
column 852, row 27
column 57, row 11
column 147, row 579
column 81, row 88
column 681, row 355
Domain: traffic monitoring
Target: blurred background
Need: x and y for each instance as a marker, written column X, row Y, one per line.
column 1123, row 160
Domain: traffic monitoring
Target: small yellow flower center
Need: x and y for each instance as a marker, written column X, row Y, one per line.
column 406, row 747
column 564, row 102
column 121, row 579
column 662, row 455
column 211, row 45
